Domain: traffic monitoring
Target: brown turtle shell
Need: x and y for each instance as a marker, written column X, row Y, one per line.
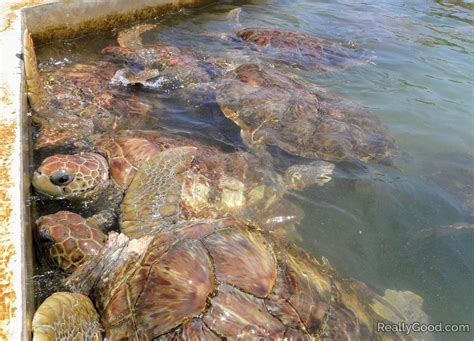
column 276, row 109
column 82, row 101
column 71, row 102
column 222, row 278
column 210, row 183
column 174, row 65
column 306, row 50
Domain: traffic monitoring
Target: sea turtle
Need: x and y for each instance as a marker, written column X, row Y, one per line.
column 453, row 174
column 169, row 177
column 72, row 102
column 276, row 109
column 214, row 279
column 302, row 49
column 157, row 66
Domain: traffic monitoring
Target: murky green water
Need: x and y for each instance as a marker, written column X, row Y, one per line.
column 381, row 225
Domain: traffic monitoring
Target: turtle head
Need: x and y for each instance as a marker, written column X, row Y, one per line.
column 76, row 176
column 68, row 239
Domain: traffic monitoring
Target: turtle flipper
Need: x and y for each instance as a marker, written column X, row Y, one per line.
column 131, row 37
column 66, row 316
column 153, row 197
column 37, row 96
column 128, row 77
column 298, row 177
column 234, row 18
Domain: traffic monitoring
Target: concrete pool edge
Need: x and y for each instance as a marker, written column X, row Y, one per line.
column 16, row 253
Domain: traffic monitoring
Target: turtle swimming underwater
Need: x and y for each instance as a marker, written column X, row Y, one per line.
column 72, row 102
column 453, row 174
column 154, row 66
column 275, row 109
column 302, row 49
column 212, row 279
column 168, row 177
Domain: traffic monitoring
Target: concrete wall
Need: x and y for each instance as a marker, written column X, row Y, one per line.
column 46, row 20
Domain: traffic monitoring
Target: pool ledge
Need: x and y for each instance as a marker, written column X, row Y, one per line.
column 46, row 20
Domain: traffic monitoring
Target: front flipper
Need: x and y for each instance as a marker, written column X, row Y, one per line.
column 132, row 37
column 153, row 198
column 37, row 95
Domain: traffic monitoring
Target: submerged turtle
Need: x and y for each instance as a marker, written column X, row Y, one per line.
column 168, row 177
column 215, row 279
column 302, row 49
column 453, row 174
column 154, row 66
column 72, row 102
column 275, row 109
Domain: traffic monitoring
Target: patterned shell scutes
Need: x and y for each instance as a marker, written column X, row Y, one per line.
column 66, row 316
column 222, row 278
column 125, row 155
column 275, row 109
column 152, row 199
column 69, row 239
column 297, row 48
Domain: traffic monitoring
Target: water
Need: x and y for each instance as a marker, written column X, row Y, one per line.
column 382, row 225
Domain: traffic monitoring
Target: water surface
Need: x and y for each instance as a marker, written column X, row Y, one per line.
column 378, row 224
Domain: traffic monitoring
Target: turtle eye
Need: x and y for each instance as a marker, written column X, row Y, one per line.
column 62, row 177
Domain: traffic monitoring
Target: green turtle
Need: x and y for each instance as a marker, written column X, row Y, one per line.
column 72, row 102
column 276, row 109
column 156, row 66
column 214, row 279
column 301, row 49
column 168, row 177
column 153, row 66
column 453, row 174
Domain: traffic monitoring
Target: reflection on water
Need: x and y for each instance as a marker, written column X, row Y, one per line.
column 372, row 222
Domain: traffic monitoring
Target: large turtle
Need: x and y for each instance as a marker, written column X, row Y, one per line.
column 156, row 66
column 71, row 102
column 453, row 174
column 161, row 63
column 213, row 279
column 302, row 49
column 168, row 177
column 276, row 109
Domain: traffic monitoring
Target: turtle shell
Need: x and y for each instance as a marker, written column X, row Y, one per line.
column 82, row 101
column 174, row 66
column 222, row 278
column 209, row 183
column 297, row 48
column 71, row 102
column 276, row 109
